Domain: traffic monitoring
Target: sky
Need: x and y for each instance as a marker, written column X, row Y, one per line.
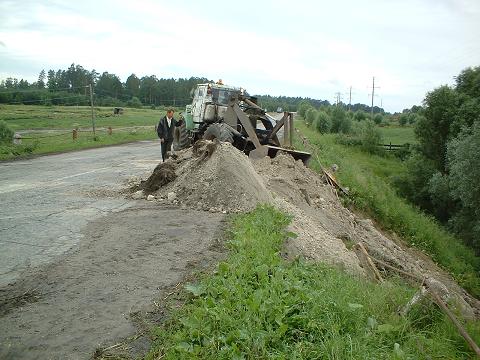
column 292, row 48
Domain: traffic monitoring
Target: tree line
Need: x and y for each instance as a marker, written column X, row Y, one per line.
column 443, row 170
column 71, row 87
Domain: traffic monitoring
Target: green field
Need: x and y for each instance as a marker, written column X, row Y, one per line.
column 398, row 135
column 29, row 117
column 48, row 129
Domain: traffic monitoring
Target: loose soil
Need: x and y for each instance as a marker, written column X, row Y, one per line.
column 227, row 181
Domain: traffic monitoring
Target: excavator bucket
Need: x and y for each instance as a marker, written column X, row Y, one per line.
column 296, row 154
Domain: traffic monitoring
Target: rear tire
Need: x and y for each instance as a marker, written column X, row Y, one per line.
column 220, row 131
column 180, row 138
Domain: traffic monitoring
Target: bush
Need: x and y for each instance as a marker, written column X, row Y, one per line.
column 360, row 115
column 322, row 122
column 310, row 116
column 341, row 123
column 370, row 137
column 134, row 103
column 378, row 119
column 403, row 119
column 302, row 108
column 6, row 134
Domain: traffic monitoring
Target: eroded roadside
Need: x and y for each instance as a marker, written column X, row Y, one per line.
column 86, row 299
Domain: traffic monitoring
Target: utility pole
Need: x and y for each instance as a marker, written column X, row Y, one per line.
column 373, row 93
column 93, row 114
column 338, row 95
column 350, row 99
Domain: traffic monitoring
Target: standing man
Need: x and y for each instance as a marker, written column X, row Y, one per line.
column 165, row 131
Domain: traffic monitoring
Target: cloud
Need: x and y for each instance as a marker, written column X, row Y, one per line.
column 307, row 49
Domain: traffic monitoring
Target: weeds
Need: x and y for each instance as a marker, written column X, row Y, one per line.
column 258, row 306
column 370, row 179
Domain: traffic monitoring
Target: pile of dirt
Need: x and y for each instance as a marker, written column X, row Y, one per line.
column 327, row 231
column 162, row 175
column 220, row 178
column 214, row 177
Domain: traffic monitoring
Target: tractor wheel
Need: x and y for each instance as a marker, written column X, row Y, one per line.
column 222, row 132
column 180, row 138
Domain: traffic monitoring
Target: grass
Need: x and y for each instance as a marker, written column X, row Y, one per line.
column 398, row 135
column 27, row 117
column 54, row 143
column 369, row 179
column 50, row 128
column 258, row 306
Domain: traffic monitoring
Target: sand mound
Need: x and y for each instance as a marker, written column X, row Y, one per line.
column 218, row 177
column 215, row 178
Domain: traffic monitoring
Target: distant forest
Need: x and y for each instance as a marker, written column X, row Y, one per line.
column 71, row 87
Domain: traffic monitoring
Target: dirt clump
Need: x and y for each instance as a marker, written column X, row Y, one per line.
column 162, row 174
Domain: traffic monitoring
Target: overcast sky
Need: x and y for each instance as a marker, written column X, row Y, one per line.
column 293, row 48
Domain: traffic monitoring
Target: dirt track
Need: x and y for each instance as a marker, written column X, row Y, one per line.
column 87, row 298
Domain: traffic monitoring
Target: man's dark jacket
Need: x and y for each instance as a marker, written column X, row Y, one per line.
column 165, row 132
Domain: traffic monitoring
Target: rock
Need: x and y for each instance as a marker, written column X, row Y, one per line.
column 334, row 167
column 171, row 196
column 150, row 197
column 137, row 195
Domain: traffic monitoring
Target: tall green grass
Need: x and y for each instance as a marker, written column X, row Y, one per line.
column 258, row 306
column 369, row 179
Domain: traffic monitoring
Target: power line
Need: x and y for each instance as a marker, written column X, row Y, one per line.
column 36, row 90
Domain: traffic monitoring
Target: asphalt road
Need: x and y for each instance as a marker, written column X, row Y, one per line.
column 46, row 201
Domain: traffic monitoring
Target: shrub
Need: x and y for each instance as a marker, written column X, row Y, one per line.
column 360, row 115
column 378, row 119
column 310, row 115
column 302, row 108
column 322, row 122
column 134, row 103
column 6, row 134
column 403, row 120
column 341, row 123
column 370, row 137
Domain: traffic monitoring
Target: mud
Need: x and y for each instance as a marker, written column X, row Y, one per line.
column 95, row 295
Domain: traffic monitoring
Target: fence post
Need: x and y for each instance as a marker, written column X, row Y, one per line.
column 17, row 139
column 110, row 130
column 74, row 134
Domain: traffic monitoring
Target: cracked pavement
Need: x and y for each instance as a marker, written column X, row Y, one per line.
column 46, row 201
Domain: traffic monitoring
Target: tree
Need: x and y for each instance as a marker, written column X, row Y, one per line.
column 322, row 122
column 302, row 107
column 41, row 80
column 132, row 85
column 468, row 82
column 464, row 166
column 109, row 85
column 378, row 119
column 310, row 115
column 341, row 123
column 51, row 82
column 403, row 120
column 370, row 136
column 433, row 130
column 134, row 103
